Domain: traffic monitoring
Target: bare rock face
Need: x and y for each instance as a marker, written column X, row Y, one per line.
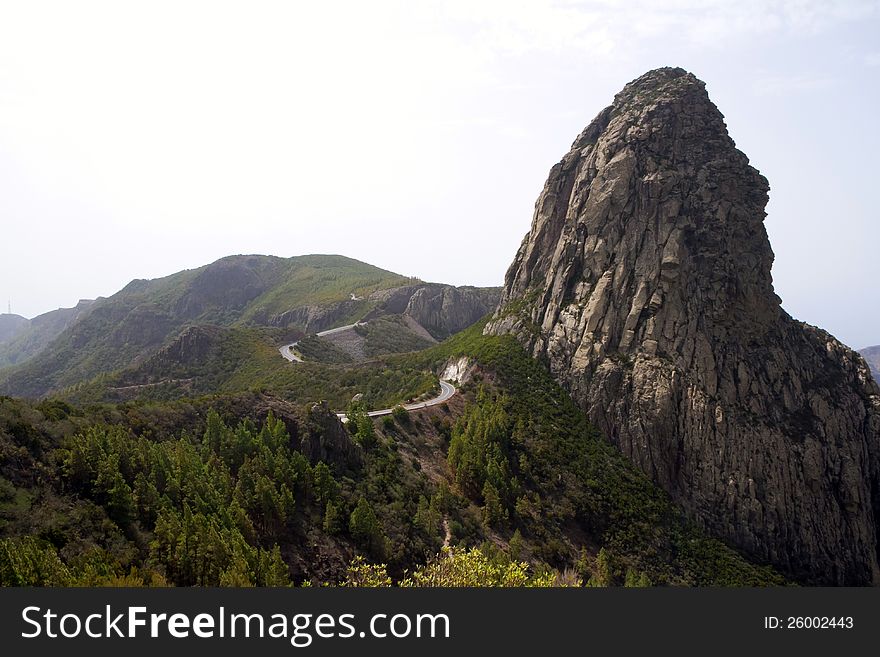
column 440, row 309
column 316, row 318
column 195, row 344
column 645, row 285
column 444, row 310
column 326, row 439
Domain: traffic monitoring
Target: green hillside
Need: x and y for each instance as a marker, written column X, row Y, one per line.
column 125, row 329
column 172, row 492
column 237, row 359
column 321, row 280
column 36, row 334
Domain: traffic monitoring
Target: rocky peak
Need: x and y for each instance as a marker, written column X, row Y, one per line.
column 645, row 285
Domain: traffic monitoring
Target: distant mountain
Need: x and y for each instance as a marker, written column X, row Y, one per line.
column 11, row 325
column 872, row 356
column 33, row 335
column 300, row 295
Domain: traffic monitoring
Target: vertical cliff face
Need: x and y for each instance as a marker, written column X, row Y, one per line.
column 645, row 285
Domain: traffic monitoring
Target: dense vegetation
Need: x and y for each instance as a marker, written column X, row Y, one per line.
column 220, row 490
column 231, row 506
column 543, row 476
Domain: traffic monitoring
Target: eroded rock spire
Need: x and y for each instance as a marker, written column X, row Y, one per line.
column 645, row 285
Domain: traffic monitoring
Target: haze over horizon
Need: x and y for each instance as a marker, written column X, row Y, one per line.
column 139, row 141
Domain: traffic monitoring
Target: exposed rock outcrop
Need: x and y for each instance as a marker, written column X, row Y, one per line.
column 459, row 370
column 195, row 344
column 445, row 310
column 316, row 318
column 326, row 439
column 441, row 309
column 645, row 285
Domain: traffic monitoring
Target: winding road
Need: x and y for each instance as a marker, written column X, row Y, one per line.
column 287, row 349
column 447, row 390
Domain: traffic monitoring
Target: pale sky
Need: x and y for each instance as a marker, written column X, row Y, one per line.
column 139, row 139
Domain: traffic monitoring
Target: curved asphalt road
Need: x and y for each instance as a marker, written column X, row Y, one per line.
column 446, row 389
column 287, row 349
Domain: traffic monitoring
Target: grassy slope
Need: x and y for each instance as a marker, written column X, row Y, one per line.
column 134, row 322
column 320, row 350
column 387, row 335
column 247, row 359
column 379, row 337
column 320, row 280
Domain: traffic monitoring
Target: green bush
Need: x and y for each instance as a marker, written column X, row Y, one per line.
column 400, row 415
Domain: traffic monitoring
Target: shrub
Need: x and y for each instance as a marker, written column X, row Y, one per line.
column 400, row 415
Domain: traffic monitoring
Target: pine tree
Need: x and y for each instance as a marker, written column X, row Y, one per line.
column 515, row 546
column 494, row 513
column 602, row 572
column 332, row 519
column 365, row 528
column 326, row 489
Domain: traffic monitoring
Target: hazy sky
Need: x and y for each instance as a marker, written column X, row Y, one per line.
column 138, row 139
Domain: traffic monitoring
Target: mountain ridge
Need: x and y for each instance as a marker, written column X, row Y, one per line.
column 33, row 336
column 299, row 295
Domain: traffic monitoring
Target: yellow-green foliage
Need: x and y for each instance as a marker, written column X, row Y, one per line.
column 457, row 568
column 360, row 573
column 454, row 568
column 27, row 561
